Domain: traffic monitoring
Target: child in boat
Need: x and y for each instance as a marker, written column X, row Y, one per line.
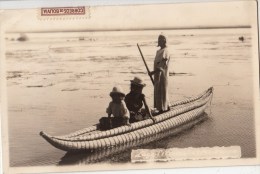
column 117, row 108
column 135, row 101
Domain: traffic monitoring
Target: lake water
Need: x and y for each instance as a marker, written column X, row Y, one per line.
column 60, row 82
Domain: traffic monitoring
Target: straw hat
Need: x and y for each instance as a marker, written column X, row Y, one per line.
column 117, row 90
column 138, row 81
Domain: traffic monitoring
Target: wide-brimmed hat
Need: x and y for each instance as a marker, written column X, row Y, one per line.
column 138, row 81
column 117, row 90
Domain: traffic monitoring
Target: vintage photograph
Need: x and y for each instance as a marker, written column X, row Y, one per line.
column 129, row 85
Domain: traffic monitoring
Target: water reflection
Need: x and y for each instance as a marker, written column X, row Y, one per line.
column 115, row 154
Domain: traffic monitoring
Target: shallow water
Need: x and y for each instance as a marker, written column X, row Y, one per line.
column 60, row 82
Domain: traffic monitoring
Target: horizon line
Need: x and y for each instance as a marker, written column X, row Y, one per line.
column 139, row 29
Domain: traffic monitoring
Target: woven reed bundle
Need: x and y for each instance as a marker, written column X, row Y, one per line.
column 185, row 112
column 183, row 106
column 98, row 154
column 121, row 139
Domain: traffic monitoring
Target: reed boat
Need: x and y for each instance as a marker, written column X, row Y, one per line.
column 183, row 114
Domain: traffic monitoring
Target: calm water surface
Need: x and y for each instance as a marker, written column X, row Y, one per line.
column 60, row 82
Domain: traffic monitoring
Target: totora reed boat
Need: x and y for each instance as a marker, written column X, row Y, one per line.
column 182, row 115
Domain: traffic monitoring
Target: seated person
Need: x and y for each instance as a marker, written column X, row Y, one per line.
column 135, row 101
column 117, row 108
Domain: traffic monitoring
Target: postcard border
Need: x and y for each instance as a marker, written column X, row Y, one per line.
column 206, row 163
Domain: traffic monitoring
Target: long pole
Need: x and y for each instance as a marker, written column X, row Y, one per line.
column 145, row 64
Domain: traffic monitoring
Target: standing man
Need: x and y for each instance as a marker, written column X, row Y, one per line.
column 161, row 74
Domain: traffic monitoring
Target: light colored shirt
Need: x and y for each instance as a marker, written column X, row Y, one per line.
column 118, row 109
column 161, row 61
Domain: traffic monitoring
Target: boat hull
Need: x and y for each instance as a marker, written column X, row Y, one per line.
column 88, row 139
column 97, row 155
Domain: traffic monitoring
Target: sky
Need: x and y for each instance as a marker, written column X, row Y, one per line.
column 137, row 17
